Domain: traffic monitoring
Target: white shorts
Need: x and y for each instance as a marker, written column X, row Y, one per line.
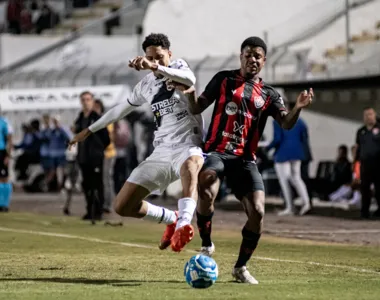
column 162, row 167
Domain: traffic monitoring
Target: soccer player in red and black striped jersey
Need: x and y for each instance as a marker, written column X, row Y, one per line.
column 243, row 102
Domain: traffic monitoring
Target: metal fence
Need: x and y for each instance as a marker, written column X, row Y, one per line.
column 278, row 68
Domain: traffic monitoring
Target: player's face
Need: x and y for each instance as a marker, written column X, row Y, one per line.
column 87, row 102
column 252, row 60
column 158, row 55
column 369, row 117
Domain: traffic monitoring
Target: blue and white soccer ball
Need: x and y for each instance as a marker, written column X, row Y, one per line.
column 201, row 271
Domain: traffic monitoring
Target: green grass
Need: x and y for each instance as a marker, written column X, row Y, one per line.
column 47, row 267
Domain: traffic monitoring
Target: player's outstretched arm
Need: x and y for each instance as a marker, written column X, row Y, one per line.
column 288, row 120
column 184, row 76
column 113, row 115
column 179, row 72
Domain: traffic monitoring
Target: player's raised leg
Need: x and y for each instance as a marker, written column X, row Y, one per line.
column 149, row 176
column 130, row 203
column 187, row 204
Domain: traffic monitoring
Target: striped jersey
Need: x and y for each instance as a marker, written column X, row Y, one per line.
column 241, row 110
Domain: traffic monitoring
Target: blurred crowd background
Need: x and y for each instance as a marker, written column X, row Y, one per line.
column 52, row 51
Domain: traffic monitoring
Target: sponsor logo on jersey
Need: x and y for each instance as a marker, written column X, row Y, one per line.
column 165, row 107
column 259, row 102
column 181, row 115
column 232, row 109
column 233, row 136
column 238, row 127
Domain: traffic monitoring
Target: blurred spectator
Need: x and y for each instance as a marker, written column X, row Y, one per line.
column 46, row 159
column 308, row 158
column 5, row 154
column 31, row 145
column 368, row 154
column 90, row 158
column 109, row 162
column 342, row 176
column 26, row 23
column 288, row 155
column 71, row 177
column 58, row 143
column 83, row 3
column 48, row 19
column 121, row 139
column 114, row 22
column 14, row 16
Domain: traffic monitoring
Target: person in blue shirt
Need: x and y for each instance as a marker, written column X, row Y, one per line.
column 59, row 140
column 5, row 153
column 288, row 155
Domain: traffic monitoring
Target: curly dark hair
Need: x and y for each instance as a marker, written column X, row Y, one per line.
column 156, row 39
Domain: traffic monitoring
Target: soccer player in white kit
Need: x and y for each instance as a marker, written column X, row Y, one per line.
column 177, row 142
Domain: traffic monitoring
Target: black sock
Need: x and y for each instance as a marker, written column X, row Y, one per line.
column 204, row 226
column 248, row 245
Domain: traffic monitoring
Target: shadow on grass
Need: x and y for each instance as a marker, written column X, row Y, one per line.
column 112, row 282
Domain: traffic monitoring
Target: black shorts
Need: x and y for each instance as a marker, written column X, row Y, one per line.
column 242, row 176
column 3, row 166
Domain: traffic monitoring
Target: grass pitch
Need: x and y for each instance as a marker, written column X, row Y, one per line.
column 62, row 258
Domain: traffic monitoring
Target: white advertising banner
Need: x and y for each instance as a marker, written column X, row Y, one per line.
column 59, row 98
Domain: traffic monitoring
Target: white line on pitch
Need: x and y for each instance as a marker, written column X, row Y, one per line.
column 95, row 240
column 338, row 231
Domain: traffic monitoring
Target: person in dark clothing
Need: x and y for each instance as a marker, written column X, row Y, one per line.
column 14, row 16
column 342, row 176
column 368, row 154
column 48, row 19
column 31, row 145
column 90, row 158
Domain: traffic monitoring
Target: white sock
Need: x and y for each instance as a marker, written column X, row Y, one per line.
column 186, row 208
column 160, row 214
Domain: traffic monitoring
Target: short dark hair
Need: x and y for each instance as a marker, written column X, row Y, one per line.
column 85, row 93
column 156, row 39
column 368, row 108
column 254, row 41
column 100, row 103
column 344, row 148
column 35, row 124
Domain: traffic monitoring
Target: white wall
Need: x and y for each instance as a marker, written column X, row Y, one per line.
column 91, row 50
column 218, row 27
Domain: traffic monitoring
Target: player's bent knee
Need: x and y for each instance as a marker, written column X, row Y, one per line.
column 128, row 201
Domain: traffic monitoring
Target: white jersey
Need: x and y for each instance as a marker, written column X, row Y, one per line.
column 170, row 107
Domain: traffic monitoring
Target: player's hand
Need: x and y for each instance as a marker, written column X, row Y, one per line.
column 142, row 63
column 304, row 99
column 80, row 137
column 189, row 90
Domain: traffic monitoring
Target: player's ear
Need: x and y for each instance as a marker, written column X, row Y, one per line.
column 170, row 53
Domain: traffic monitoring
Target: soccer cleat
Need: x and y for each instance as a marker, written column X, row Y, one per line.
column 182, row 236
column 168, row 234
column 208, row 251
column 242, row 275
